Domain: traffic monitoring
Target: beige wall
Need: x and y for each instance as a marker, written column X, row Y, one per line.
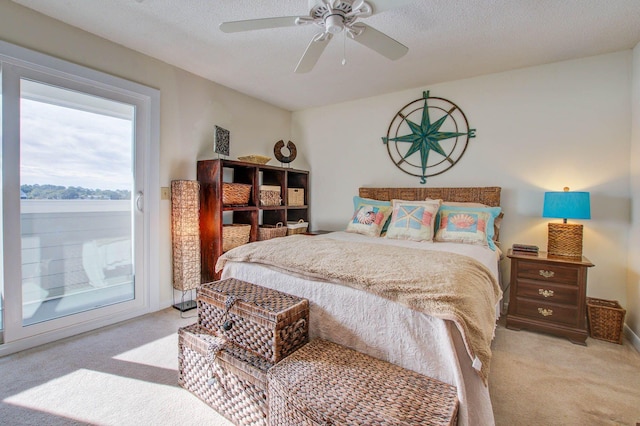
column 538, row 129
column 633, row 286
column 190, row 106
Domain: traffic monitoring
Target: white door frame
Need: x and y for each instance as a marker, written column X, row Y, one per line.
column 18, row 62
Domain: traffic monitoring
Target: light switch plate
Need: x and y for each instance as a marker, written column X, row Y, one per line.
column 165, row 193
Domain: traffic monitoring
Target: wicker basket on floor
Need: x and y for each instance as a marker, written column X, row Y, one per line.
column 266, row 232
column 606, row 319
column 235, row 235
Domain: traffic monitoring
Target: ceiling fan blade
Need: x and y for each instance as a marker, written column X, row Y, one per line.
column 313, row 52
column 258, row 24
column 378, row 41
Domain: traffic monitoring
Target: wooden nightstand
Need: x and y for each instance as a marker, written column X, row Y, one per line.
column 548, row 294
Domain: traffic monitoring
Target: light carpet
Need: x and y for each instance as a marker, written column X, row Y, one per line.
column 126, row 374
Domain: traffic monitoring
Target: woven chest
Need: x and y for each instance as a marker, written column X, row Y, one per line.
column 325, row 383
column 232, row 380
column 266, row 322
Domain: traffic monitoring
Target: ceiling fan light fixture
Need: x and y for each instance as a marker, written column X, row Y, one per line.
column 334, row 23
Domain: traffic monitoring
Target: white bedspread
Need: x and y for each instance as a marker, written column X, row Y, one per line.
column 387, row 330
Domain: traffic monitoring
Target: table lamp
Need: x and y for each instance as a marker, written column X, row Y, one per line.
column 565, row 239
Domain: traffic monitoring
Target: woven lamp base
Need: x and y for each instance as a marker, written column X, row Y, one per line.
column 565, row 239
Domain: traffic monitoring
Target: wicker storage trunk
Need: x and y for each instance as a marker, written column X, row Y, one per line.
column 325, row 383
column 233, row 383
column 266, row 322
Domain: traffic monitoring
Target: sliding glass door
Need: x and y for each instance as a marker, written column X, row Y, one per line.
column 76, row 210
column 73, row 174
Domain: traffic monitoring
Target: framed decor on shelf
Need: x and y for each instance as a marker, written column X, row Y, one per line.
column 221, row 141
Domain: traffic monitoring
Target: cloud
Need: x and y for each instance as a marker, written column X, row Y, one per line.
column 71, row 147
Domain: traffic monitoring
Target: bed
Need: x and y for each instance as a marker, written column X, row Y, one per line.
column 387, row 313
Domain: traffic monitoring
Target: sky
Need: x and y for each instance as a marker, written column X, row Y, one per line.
column 71, row 147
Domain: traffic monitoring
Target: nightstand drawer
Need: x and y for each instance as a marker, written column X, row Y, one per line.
column 547, row 272
column 564, row 314
column 555, row 293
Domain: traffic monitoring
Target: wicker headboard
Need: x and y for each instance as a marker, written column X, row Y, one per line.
column 489, row 195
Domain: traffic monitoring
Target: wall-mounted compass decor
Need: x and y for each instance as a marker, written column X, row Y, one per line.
column 428, row 136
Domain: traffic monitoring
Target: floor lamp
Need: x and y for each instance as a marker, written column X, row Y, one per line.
column 185, row 234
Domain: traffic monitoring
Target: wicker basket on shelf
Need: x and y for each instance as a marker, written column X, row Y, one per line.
column 235, row 235
column 266, row 232
column 295, row 196
column 299, row 227
column 270, row 195
column 606, row 319
column 235, row 194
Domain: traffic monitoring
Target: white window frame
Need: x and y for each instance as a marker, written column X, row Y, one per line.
column 16, row 63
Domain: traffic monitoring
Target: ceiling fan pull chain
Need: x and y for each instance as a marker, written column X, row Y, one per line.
column 344, row 48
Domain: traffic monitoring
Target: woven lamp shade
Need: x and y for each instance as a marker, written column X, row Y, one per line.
column 565, row 239
column 185, row 232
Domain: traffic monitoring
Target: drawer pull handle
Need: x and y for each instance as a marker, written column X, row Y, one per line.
column 545, row 312
column 545, row 293
column 547, row 274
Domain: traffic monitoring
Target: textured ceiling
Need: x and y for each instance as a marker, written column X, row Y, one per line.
column 447, row 40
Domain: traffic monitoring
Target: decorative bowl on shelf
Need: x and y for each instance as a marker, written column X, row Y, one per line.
column 258, row 159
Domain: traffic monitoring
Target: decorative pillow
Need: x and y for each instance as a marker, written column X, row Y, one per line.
column 497, row 221
column 359, row 202
column 413, row 220
column 369, row 219
column 493, row 223
column 462, row 226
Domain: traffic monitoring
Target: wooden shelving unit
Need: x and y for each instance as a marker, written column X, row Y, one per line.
column 213, row 214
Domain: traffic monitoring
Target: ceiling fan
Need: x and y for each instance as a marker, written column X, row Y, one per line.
column 333, row 17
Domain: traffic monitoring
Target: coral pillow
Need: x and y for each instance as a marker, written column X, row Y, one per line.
column 464, row 226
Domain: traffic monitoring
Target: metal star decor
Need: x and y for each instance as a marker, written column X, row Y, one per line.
column 447, row 136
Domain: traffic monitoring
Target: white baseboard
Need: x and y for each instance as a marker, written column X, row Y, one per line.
column 83, row 327
column 632, row 337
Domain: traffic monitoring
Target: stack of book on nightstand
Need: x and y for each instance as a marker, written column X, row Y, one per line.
column 526, row 249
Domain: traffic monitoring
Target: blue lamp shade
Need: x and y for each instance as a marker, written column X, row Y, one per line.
column 565, row 239
column 567, row 205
